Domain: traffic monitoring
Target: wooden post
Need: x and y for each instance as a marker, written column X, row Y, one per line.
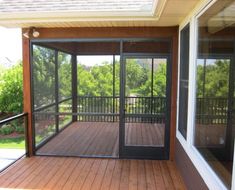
column 27, row 93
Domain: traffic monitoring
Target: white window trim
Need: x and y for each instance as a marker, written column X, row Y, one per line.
column 209, row 176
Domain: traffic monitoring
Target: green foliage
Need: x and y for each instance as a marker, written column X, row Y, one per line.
column 46, row 131
column 64, row 75
column 19, row 129
column 215, row 81
column 136, row 75
column 159, row 83
column 6, row 129
column 86, row 82
column 98, row 80
column 13, row 126
column 43, row 75
column 11, row 90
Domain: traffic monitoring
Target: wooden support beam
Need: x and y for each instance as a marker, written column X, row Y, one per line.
column 27, row 93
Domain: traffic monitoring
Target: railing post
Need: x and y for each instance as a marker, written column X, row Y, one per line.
column 56, row 90
column 74, row 88
column 114, row 87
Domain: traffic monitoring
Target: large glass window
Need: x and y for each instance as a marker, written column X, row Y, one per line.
column 183, row 85
column 215, row 113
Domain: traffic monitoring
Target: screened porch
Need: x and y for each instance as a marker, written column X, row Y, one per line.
column 85, row 91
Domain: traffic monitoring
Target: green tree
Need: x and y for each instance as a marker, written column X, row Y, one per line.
column 137, row 74
column 159, row 83
column 43, row 75
column 11, row 89
column 103, row 75
column 64, row 75
column 86, row 82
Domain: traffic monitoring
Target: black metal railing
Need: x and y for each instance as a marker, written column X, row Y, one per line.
column 48, row 122
column 13, row 130
column 137, row 109
column 106, row 108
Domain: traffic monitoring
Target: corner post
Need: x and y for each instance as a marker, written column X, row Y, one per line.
column 27, row 94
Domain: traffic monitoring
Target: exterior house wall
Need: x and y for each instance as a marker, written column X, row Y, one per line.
column 192, row 178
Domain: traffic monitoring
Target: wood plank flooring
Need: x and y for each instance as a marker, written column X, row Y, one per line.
column 144, row 134
column 101, row 139
column 85, row 139
column 91, row 173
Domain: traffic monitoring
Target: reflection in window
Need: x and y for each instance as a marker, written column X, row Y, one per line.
column 214, row 120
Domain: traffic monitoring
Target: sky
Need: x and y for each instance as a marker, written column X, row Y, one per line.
column 10, row 44
column 11, row 48
column 95, row 60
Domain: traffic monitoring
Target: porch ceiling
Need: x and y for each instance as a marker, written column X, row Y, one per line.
column 93, row 13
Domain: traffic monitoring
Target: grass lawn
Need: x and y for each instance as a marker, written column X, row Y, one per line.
column 16, row 143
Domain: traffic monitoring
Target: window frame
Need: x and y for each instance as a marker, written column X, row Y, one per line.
column 181, row 59
column 207, row 173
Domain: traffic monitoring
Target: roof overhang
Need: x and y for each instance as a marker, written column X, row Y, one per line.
column 98, row 18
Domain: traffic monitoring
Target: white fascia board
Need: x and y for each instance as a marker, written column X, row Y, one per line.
column 61, row 20
column 74, row 14
column 60, row 17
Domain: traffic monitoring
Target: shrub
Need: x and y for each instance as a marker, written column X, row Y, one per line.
column 11, row 90
column 19, row 130
column 6, row 129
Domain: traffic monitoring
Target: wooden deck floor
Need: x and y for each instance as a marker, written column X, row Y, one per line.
column 144, row 134
column 85, row 139
column 91, row 173
column 101, row 139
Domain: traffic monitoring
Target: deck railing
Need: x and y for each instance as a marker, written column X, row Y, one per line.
column 13, row 136
column 48, row 122
column 137, row 109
